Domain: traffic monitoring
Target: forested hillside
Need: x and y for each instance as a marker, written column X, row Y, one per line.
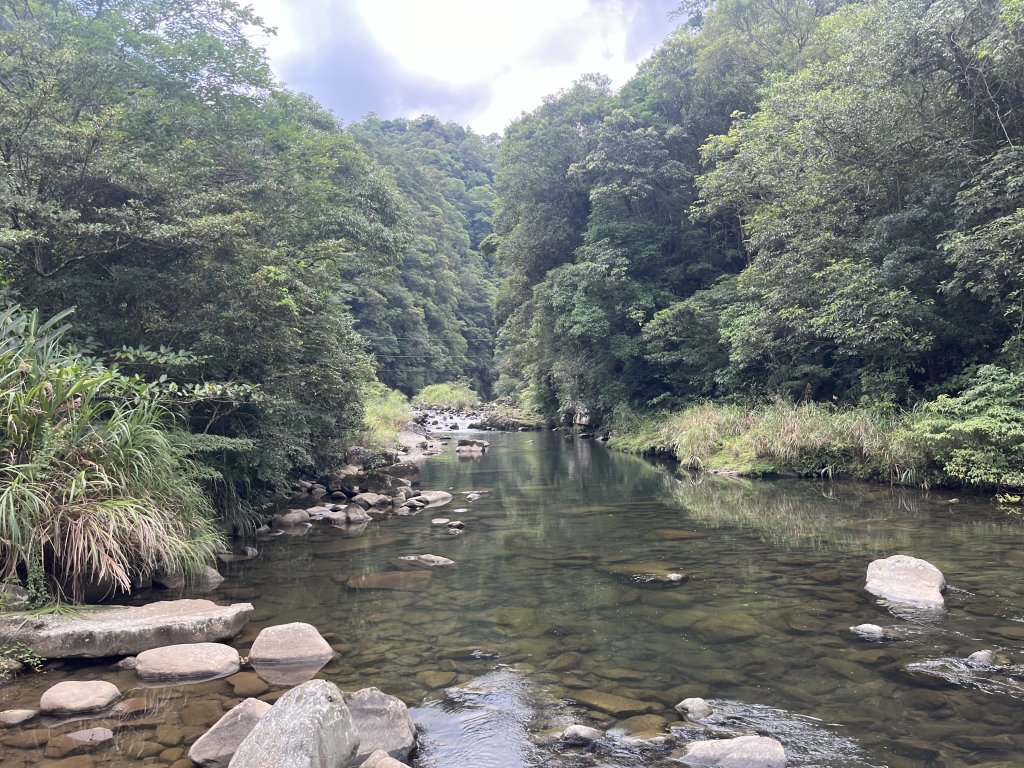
column 806, row 199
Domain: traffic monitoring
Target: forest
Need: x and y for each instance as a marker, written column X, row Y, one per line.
column 794, row 240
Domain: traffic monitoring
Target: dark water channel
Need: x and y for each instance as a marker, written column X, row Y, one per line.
column 543, row 617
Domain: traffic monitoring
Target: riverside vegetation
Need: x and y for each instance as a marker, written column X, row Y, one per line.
column 792, row 242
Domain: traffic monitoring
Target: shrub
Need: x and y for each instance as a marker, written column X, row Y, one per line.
column 452, row 394
column 94, row 487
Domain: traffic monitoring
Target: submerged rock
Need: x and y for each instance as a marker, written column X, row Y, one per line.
column 741, row 752
column 411, row 580
column 906, row 581
column 79, row 741
column 125, row 631
column 612, row 704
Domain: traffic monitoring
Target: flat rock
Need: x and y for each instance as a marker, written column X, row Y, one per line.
column 247, row 684
column 124, row 630
column 383, row 723
column 73, row 697
column 79, row 741
column 907, row 581
column 309, row 726
column 425, row 561
column 411, row 580
column 297, row 642
column 187, row 661
column 217, row 746
column 612, row 704
column 741, row 752
column 435, row 498
column 12, row 717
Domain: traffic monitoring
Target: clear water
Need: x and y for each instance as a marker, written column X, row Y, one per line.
column 542, row 615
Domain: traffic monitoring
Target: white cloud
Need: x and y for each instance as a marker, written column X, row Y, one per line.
column 521, row 50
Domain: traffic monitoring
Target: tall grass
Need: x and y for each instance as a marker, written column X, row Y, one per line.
column 94, row 489
column 452, row 394
column 783, row 437
column 386, row 413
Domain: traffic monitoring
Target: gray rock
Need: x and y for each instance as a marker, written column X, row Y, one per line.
column 13, row 597
column 355, row 514
column 694, row 709
column 870, row 631
column 187, row 661
column 368, row 500
column 440, row 521
column 125, row 631
column 426, row 561
column 906, row 581
column 436, row 498
column 383, row 723
column 308, row 727
column 381, row 759
column 289, row 643
column 217, row 746
column 73, row 697
column 12, row 717
column 291, row 517
column 580, row 734
column 741, row 752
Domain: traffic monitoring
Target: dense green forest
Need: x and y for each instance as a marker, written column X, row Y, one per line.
column 807, row 213
column 805, row 200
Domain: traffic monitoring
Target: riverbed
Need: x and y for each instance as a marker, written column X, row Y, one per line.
column 557, row 611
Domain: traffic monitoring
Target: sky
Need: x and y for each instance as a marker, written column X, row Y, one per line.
column 479, row 63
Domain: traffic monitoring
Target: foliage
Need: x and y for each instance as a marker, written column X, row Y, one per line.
column 977, row 437
column 15, row 656
column 94, row 488
column 201, row 218
column 808, row 439
column 387, row 412
column 452, row 394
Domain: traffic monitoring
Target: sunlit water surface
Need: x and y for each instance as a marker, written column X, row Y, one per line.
column 542, row 615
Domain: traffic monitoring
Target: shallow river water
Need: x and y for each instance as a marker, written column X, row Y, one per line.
column 544, row 616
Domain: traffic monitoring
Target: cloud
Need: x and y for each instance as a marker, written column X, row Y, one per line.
column 475, row 62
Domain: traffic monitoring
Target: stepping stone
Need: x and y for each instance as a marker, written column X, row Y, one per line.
column 190, row 661
column 12, row 717
column 290, row 643
column 74, row 697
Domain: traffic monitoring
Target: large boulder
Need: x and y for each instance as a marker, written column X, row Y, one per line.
column 308, row 727
column 383, row 723
column 126, row 631
column 741, row 752
column 906, row 580
column 290, row 644
column 217, row 746
column 73, row 697
column 187, row 661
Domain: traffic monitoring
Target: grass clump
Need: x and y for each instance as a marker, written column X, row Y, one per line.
column 456, row 395
column 386, row 413
column 95, row 488
column 783, row 438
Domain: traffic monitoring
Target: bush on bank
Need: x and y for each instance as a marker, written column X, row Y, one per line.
column 95, row 487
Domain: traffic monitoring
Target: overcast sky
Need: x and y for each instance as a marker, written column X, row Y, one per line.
column 476, row 62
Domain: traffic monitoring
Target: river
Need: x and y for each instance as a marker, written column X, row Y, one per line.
column 550, row 609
